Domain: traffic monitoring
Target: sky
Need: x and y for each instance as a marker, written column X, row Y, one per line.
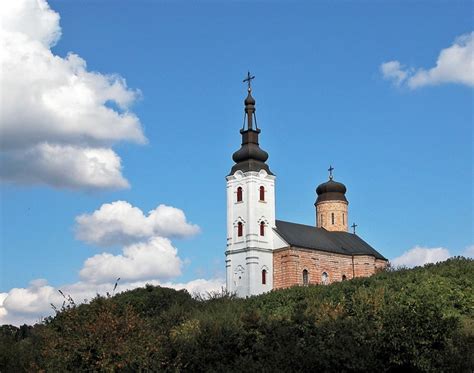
column 118, row 121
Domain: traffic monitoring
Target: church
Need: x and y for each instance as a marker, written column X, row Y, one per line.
column 264, row 253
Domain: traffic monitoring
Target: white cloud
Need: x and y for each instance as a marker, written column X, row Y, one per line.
column 153, row 261
column 3, row 311
column 198, row 286
column 455, row 64
column 394, row 71
column 37, row 21
column 156, row 258
column 419, row 256
column 29, row 305
column 469, row 252
column 86, row 167
column 120, row 223
column 52, row 105
column 31, row 299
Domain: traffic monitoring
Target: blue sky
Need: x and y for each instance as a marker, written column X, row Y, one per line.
column 404, row 152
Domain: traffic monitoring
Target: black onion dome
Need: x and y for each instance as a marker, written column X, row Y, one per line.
column 250, row 148
column 250, row 157
column 331, row 186
column 249, row 100
column 331, row 191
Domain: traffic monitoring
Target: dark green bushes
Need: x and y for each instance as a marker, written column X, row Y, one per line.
column 417, row 320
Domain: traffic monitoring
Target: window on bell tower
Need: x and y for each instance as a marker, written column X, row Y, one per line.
column 262, row 193
column 239, row 194
column 332, row 218
column 262, row 229
column 240, row 229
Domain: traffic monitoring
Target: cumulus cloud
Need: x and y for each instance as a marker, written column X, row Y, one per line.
column 455, row 64
column 36, row 21
column 199, row 286
column 29, row 305
column 3, row 311
column 120, row 223
column 58, row 120
column 155, row 258
column 30, row 299
column 469, row 252
column 47, row 164
column 419, row 256
column 394, row 71
column 147, row 257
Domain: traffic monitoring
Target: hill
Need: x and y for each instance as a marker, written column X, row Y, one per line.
column 407, row 320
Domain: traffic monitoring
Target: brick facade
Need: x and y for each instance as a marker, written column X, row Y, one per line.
column 290, row 262
column 326, row 210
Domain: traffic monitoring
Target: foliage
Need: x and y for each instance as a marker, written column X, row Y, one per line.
column 407, row 320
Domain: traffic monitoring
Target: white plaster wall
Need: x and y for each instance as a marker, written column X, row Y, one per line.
column 278, row 241
column 246, row 256
column 244, row 271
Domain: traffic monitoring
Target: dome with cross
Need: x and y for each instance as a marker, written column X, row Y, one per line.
column 331, row 190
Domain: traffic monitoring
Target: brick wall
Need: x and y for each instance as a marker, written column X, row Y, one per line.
column 380, row 264
column 324, row 212
column 289, row 264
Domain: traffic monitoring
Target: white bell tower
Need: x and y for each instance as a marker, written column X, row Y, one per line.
column 250, row 213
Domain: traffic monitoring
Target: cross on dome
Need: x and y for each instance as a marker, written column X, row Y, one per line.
column 330, row 169
column 248, row 80
column 250, row 105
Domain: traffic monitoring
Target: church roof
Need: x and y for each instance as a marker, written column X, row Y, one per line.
column 313, row 238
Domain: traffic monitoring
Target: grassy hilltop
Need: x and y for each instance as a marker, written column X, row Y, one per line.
column 409, row 320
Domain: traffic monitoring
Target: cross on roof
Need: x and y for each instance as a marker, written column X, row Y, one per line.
column 248, row 79
column 353, row 226
column 330, row 169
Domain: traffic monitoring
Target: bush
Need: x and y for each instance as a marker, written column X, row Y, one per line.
column 408, row 320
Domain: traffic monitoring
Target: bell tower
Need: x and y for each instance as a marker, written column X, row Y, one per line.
column 332, row 205
column 250, row 211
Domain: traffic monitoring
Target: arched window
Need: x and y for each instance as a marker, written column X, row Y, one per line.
column 344, row 278
column 325, row 278
column 239, row 194
column 238, row 274
column 240, row 229
column 343, row 219
column 264, row 276
column 305, row 277
column 262, row 229
column 332, row 218
column 262, row 193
